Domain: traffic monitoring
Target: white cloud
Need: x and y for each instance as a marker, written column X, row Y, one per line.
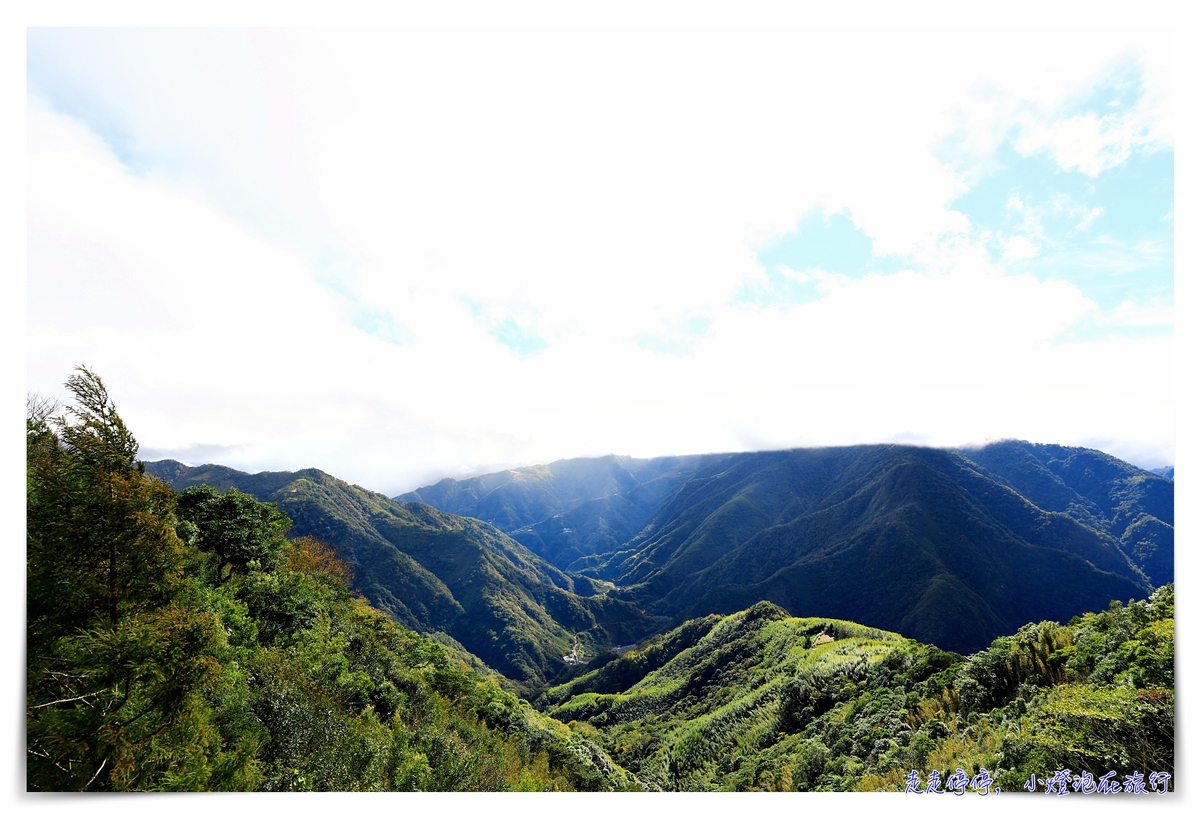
column 1129, row 314
column 592, row 188
column 1087, row 143
column 160, row 289
column 1037, row 80
column 824, row 281
column 1031, row 223
column 1091, row 142
column 1018, row 248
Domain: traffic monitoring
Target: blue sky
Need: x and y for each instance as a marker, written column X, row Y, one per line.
column 399, row 255
column 1110, row 235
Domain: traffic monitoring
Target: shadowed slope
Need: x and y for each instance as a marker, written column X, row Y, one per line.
column 1135, row 506
column 569, row 510
column 921, row 541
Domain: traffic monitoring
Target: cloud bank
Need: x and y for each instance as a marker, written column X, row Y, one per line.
column 398, row 255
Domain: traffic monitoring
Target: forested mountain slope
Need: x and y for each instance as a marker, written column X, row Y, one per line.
column 438, row 572
column 568, row 510
column 1135, row 506
column 925, row 542
column 902, row 538
column 940, row 546
column 183, row 642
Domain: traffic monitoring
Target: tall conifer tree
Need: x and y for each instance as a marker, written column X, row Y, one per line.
column 120, row 664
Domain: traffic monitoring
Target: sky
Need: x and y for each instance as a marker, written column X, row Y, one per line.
column 403, row 254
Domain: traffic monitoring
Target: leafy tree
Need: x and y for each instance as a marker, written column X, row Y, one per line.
column 236, row 527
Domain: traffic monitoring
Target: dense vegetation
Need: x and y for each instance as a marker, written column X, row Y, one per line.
column 482, row 593
column 1134, row 506
column 759, row 700
column 186, row 643
column 925, row 542
column 206, row 632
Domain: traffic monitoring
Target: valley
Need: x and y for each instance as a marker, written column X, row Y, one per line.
column 813, row 619
column 949, row 548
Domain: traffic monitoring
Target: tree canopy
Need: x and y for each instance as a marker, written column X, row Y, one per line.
column 234, row 526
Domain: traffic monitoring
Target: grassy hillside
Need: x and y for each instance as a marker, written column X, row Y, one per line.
column 759, row 700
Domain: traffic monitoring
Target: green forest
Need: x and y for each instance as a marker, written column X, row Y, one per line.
column 188, row 640
column 183, row 642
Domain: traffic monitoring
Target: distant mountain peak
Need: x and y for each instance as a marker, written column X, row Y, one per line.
column 952, row 547
column 716, row 533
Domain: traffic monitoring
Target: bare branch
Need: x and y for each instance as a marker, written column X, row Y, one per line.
column 64, row 701
column 40, row 408
column 93, row 778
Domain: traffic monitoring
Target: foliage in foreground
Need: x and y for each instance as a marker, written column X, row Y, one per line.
column 184, row 642
column 187, row 644
column 764, row 701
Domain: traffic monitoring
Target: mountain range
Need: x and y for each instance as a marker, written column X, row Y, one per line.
column 743, row 621
column 456, row 577
column 952, row 548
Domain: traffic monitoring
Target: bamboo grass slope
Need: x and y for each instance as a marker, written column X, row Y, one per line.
column 759, row 700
